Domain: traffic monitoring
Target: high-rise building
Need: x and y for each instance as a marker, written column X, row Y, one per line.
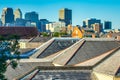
column 0, row 23
column 32, row 16
column 42, row 25
column 89, row 22
column 97, row 27
column 17, row 14
column 20, row 22
column 107, row 25
column 7, row 16
column 65, row 15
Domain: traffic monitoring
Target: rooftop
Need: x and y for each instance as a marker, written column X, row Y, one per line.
column 78, row 57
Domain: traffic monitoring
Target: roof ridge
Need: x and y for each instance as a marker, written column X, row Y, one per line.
column 37, row 53
column 112, row 53
column 63, row 61
column 104, row 54
column 102, row 66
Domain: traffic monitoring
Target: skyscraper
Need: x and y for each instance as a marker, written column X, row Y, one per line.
column 7, row 16
column 97, row 27
column 65, row 15
column 89, row 22
column 107, row 25
column 17, row 14
column 32, row 16
column 42, row 26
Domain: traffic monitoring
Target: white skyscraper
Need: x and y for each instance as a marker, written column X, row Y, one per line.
column 17, row 14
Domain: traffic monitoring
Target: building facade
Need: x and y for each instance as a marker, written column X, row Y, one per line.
column 0, row 23
column 107, row 25
column 65, row 15
column 17, row 14
column 88, row 23
column 97, row 27
column 20, row 22
column 32, row 16
column 55, row 27
column 42, row 25
column 7, row 16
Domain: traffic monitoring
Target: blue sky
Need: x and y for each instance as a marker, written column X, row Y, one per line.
column 81, row 9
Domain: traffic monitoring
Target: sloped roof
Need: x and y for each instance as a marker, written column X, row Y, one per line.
column 24, row 67
column 113, row 35
column 100, row 54
column 42, row 48
column 57, row 45
column 110, row 65
column 40, row 39
column 66, row 55
column 23, row 32
column 94, row 61
column 91, row 49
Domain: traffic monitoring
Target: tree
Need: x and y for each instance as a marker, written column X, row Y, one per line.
column 45, row 34
column 9, row 46
column 56, row 34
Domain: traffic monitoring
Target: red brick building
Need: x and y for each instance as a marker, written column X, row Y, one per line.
column 23, row 32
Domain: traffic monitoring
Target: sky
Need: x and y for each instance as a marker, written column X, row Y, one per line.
column 106, row 10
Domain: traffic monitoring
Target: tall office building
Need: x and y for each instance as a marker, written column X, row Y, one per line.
column 107, row 25
column 97, row 27
column 17, row 14
column 65, row 15
column 7, row 16
column 32, row 16
column 42, row 25
column 89, row 22
column 0, row 22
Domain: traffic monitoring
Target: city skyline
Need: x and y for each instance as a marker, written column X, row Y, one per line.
column 81, row 9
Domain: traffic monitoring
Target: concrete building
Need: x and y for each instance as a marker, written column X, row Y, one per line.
column 55, row 26
column 65, row 15
column 32, row 16
column 88, row 23
column 17, row 14
column 7, row 16
column 97, row 27
column 42, row 25
column 107, row 25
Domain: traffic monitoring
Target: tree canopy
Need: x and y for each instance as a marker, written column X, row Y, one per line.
column 9, row 46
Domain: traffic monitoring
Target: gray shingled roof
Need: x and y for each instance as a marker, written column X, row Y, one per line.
column 42, row 48
column 23, row 68
column 94, row 61
column 40, row 39
column 57, row 45
column 91, row 49
column 110, row 65
column 66, row 55
column 74, row 53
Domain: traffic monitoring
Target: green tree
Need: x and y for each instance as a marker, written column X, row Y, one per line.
column 9, row 46
column 45, row 34
column 56, row 34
